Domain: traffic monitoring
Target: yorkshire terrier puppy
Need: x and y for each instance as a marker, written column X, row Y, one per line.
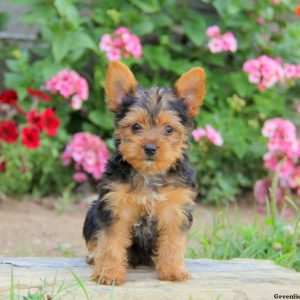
column 144, row 210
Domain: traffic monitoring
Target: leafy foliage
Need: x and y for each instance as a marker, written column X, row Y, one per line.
column 173, row 39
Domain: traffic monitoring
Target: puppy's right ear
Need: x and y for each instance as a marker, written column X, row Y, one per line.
column 119, row 82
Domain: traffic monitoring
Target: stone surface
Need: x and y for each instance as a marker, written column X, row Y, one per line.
column 212, row 279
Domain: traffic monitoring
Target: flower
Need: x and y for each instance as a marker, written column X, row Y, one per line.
column 68, row 83
column 214, row 136
column 198, row 134
column 88, row 153
column 264, row 71
column 76, row 103
column 283, row 156
column 282, row 137
column 260, row 20
column 210, row 133
column 297, row 10
column 229, row 42
column 9, row 97
column 30, row 137
column 8, row 131
column 49, row 122
column 215, row 45
column 261, row 190
column 213, row 31
column 2, row 166
column 34, row 118
column 220, row 43
column 122, row 43
column 38, row 94
column 294, row 180
column 80, row 177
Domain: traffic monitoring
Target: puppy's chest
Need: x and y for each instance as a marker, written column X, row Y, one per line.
column 150, row 191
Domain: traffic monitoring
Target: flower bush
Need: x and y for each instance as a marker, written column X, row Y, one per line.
column 89, row 154
column 250, row 51
column 69, row 83
column 283, row 158
column 122, row 43
column 221, row 43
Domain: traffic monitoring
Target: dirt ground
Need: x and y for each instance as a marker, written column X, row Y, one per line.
column 30, row 228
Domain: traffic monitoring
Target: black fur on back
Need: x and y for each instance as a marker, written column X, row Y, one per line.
column 144, row 233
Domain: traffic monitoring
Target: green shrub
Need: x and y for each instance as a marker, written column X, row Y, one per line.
column 173, row 38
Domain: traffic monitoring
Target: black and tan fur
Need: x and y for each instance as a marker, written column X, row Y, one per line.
column 144, row 210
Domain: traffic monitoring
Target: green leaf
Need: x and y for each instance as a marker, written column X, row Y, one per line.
column 241, row 84
column 61, row 45
column 41, row 14
column 148, row 6
column 83, row 40
column 66, row 9
column 194, row 29
column 101, row 119
column 4, row 17
column 144, row 27
column 12, row 64
column 158, row 57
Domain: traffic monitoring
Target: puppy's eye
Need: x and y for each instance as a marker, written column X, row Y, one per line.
column 136, row 127
column 168, row 129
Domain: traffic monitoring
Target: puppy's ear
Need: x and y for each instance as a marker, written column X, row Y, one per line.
column 191, row 88
column 119, row 82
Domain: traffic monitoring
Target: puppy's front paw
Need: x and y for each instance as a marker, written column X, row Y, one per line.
column 110, row 276
column 173, row 273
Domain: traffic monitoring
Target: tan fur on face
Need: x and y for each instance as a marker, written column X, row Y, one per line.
column 169, row 147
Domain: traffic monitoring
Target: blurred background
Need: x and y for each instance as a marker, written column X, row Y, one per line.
column 56, row 131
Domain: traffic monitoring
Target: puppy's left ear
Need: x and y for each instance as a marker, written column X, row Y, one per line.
column 119, row 83
column 191, row 88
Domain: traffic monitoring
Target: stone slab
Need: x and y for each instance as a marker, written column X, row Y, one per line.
column 212, row 279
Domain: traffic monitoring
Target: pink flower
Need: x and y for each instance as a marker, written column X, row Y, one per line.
column 88, row 153
column 76, row 103
column 198, row 134
column 292, row 71
column 260, row 20
column 264, row 71
column 69, row 83
column 229, row 42
column 221, row 43
column 214, row 136
column 80, row 177
column 261, row 190
column 122, row 30
column 282, row 137
column 283, row 156
column 122, row 43
column 215, row 45
column 298, row 108
column 213, row 31
column 106, row 43
column 294, row 180
column 276, row 1
column 210, row 133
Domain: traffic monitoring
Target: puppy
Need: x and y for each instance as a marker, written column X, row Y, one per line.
column 144, row 210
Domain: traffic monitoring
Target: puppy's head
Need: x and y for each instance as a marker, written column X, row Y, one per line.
column 152, row 125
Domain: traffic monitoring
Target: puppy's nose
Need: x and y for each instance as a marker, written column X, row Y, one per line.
column 150, row 149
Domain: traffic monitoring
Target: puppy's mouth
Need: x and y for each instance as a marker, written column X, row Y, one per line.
column 149, row 159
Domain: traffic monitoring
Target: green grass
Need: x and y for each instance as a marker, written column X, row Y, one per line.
column 279, row 243
column 270, row 238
